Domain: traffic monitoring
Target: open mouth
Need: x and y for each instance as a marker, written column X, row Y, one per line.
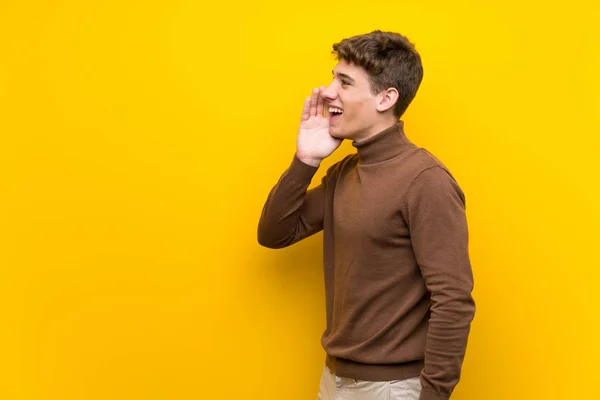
column 335, row 113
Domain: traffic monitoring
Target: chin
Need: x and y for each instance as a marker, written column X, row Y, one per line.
column 343, row 135
column 338, row 133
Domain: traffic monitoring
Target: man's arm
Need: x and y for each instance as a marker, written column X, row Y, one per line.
column 290, row 213
column 439, row 234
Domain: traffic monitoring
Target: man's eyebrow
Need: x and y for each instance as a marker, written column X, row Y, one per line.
column 342, row 75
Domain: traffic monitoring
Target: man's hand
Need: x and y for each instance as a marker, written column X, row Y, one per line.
column 314, row 143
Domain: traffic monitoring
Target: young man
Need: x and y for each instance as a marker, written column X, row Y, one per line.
column 398, row 278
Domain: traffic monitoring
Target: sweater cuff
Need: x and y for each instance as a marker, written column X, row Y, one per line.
column 301, row 172
column 429, row 395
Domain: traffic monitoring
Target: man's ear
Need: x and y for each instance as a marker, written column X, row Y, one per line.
column 386, row 99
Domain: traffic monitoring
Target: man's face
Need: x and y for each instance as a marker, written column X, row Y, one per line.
column 350, row 91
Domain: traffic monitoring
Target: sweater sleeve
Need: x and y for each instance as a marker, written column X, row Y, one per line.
column 291, row 213
column 439, row 234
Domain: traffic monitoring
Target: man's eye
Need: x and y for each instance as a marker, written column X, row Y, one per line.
column 344, row 82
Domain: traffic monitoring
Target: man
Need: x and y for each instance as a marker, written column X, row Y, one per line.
column 398, row 278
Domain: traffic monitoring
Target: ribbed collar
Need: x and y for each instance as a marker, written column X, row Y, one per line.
column 389, row 143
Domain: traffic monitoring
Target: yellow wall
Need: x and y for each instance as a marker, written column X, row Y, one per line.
column 139, row 140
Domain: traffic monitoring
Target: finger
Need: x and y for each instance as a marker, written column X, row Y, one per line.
column 306, row 109
column 320, row 102
column 313, row 102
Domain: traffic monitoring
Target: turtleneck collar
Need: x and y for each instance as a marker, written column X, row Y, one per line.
column 384, row 145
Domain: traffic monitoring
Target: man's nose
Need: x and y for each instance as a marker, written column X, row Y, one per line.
column 329, row 92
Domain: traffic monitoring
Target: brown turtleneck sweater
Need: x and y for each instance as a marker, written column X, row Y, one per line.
column 398, row 278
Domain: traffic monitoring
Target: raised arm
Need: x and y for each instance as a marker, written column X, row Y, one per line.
column 291, row 213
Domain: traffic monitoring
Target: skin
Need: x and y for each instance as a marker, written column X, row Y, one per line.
column 364, row 113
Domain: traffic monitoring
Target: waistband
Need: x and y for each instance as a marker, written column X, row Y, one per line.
column 374, row 372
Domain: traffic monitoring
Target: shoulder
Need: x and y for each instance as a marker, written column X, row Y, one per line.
column 431, row 177
column 348, row 162
column 422, row 160
column 333, row 172
column 424, row 166
column 435, row 185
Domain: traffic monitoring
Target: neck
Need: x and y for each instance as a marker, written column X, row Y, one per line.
column 384, row 144
column 375, row 129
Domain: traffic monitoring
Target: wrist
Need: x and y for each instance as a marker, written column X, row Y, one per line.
column 314, row 162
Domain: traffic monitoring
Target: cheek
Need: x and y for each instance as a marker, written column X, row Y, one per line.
column 356, row 106
column 360, row 108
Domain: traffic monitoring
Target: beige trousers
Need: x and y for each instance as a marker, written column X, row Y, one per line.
column 338, row 388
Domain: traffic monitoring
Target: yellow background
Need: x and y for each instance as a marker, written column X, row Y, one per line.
column 139, row 140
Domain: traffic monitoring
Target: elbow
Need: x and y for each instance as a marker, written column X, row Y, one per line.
column 467, row 309
column 265, row 242
column 455, row 306
column 268, row 240
column 273, row 236
column 464, row 305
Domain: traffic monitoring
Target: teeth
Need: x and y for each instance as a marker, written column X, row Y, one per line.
column 335, row 110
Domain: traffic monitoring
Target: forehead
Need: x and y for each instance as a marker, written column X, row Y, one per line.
column 353, row 71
